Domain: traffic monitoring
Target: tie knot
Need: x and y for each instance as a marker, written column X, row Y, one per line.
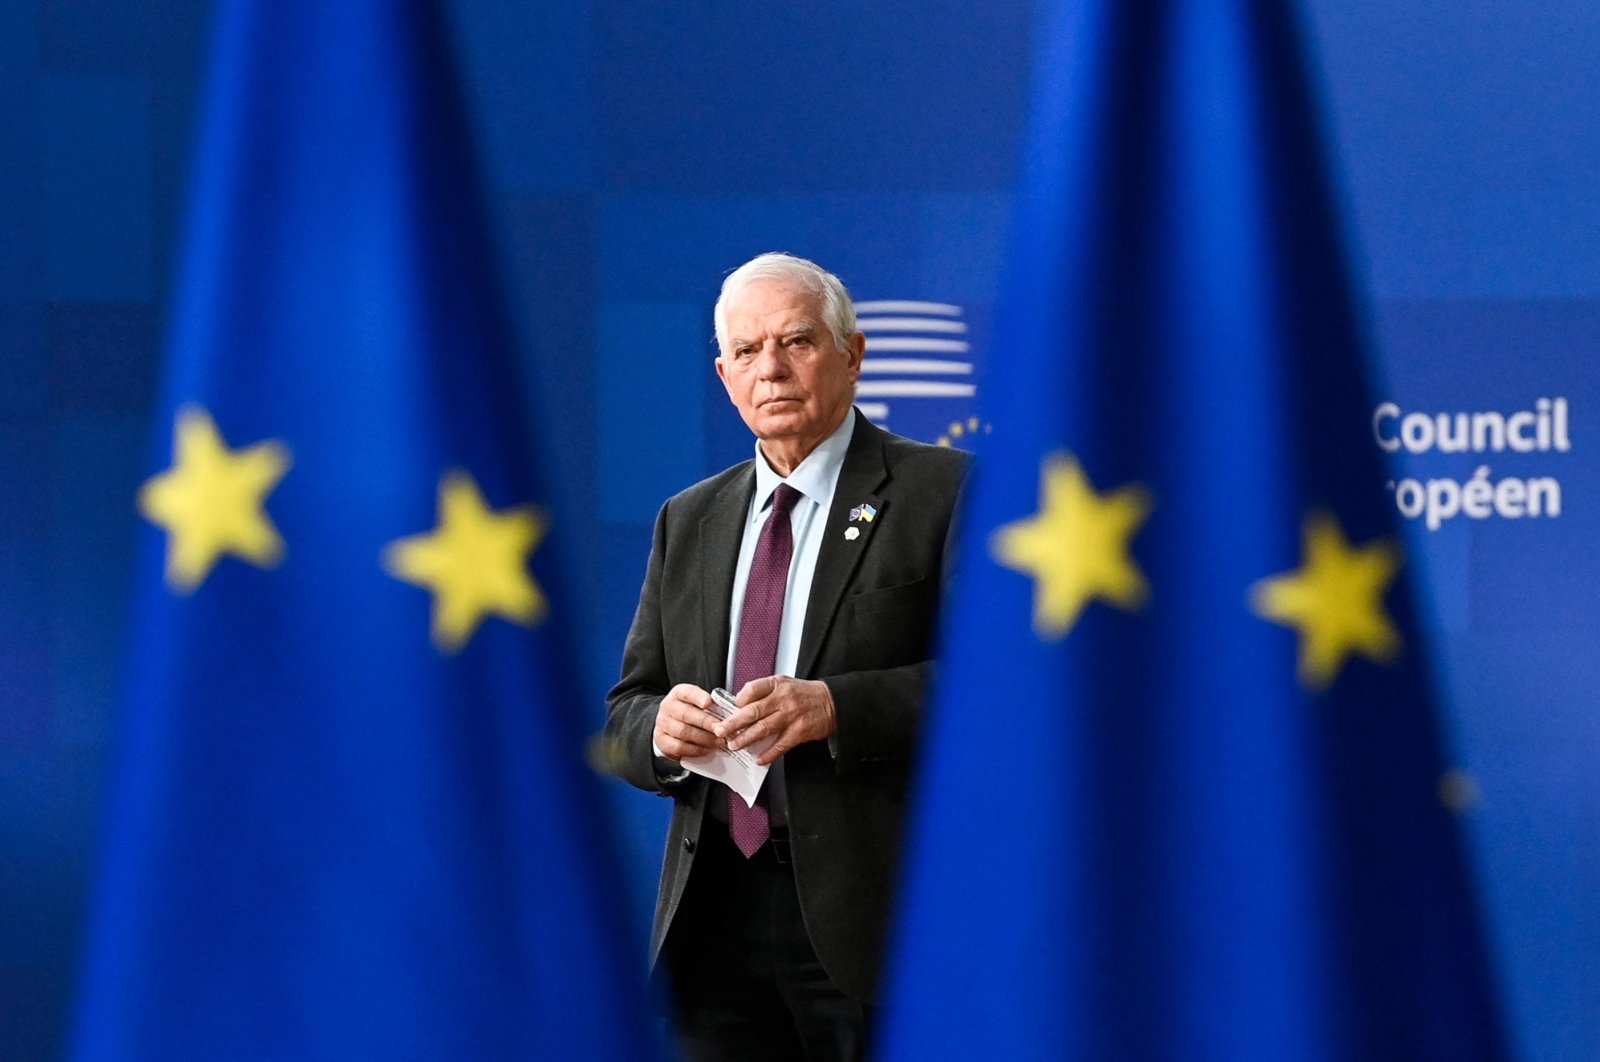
column 783, row 499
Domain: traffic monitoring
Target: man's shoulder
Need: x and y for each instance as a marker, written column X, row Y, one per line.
column 701, row 496
column 910, row 458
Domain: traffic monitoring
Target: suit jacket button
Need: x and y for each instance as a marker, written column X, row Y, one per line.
column 688, row 845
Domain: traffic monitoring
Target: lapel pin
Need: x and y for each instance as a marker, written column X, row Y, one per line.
column 863, row 512
column 852, row 533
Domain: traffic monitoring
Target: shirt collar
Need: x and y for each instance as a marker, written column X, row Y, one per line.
column 816, row 476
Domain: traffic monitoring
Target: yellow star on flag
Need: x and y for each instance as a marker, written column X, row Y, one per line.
column 211, row 501
column 1334, row 600
column 1076, row 546
column 474, row 562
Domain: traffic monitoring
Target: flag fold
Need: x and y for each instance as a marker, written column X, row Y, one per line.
column 349, row 816
column 1181, row 788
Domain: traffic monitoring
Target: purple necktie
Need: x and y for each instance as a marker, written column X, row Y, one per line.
column 757, row 652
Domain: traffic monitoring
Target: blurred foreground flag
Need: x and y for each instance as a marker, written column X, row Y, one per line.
column 351, row 817
column 1182, row 789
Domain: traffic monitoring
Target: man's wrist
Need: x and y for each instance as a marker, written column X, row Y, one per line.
column 832, row 735
column 667, row 768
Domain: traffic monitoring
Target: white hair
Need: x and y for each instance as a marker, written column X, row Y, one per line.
column 838, row 312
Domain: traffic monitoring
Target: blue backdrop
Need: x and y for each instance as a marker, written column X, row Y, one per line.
column 635, row 153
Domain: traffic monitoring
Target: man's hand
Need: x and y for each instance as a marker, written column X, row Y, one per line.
column 795, row 710
column 683, row 726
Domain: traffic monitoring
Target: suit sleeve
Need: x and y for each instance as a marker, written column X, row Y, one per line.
column 879, row 714
column 632, row 704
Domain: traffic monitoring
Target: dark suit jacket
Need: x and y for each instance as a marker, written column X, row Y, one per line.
column 868, row 633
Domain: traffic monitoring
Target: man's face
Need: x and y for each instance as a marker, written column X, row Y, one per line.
column 789, row 378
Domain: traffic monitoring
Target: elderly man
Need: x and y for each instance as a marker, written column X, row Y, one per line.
column 806, row 581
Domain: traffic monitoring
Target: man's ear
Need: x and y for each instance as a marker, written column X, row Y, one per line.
column 722, row 371
column 857, row 349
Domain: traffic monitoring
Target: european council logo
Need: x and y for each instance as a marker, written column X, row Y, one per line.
column 918, row 378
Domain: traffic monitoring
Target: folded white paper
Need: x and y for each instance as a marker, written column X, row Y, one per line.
column 739, row 771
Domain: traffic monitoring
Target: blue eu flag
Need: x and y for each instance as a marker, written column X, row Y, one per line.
column 351, row 817
column 1184, row 794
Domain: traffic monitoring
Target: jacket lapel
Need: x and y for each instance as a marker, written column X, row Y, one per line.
column 721, row 531
column 863, row 473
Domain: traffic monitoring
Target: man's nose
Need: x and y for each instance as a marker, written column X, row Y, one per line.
column 771, row 362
